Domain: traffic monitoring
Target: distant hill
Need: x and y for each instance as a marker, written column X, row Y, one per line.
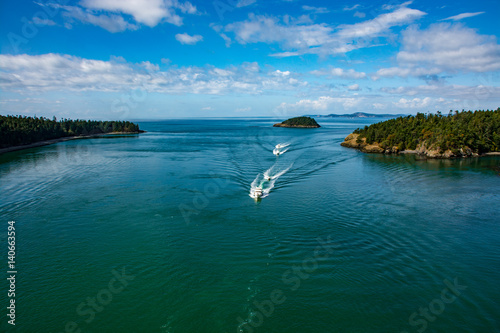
column 358, row 115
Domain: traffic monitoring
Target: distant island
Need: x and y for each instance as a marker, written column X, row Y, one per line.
column 299, row 122
column 358, row 115
column 20, row 132
column 458, row 134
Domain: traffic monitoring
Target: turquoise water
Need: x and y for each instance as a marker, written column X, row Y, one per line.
column 159, row 230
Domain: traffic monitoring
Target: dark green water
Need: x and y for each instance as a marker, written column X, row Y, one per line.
column 343, row 241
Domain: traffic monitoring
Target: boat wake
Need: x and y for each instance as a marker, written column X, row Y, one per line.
column 278, row 148
column 278, row 152
column 264, row 183
column 282, row 145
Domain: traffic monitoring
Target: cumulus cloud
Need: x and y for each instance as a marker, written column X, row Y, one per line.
column 121, row 15
column 110, row 22
column 301, row 36
column 444, row 47
column 187, row 39
column 323, row 103
column 259, row 28
column 55, row 72
column 415, row 103
column 380, row 24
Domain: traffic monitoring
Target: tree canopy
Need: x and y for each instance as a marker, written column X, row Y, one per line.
column 301, row 121
column 477, row 130
column 22, row 130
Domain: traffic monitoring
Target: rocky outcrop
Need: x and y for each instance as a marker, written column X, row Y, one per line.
column 354, row 141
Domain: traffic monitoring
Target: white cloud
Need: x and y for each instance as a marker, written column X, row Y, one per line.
column 340, row 72
column 301, row 36
column 452, row 47
column 149, row 13
column 351, row 8
column 323, row 103
column 42, row 22
column 416, row 103
column 315, row 10
column 392, row 6
column 241, row 110
column 359, row 14
column 353, row 87
column 444, row 48
column 380, row 24
column 405, row 72
column 270, row 30
column 461, row 16
column 110, row 22
column 187, row 39
column 54, row 72
column 244, row 3
column 121, row 15
column 480, row 92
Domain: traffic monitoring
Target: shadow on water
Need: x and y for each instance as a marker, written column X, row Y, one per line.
column 484, row 164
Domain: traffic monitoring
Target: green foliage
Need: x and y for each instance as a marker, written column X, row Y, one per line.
column 22, row 130
column 301, row 121
column 478, row 130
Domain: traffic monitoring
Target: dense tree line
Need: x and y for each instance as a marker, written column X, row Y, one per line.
column 478, row 130
column 300, row 121
column 22, row 130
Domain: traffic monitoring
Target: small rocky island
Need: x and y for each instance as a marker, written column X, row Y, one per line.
column 299, row 122
column 458, row 134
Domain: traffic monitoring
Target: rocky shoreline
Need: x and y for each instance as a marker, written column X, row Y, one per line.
column 353, row 141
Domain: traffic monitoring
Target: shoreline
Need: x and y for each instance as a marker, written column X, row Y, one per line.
column 351, row 142
column 66, row 138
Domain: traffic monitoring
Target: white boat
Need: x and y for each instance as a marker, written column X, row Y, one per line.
column 257, row 193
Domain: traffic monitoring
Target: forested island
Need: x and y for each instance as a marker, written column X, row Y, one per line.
column 300, row 122
column 18, row 131
column 458, row 134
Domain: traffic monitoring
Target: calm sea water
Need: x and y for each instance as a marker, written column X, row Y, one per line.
column 158, row 233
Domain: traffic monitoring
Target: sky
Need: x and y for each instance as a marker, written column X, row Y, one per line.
column 162, row 59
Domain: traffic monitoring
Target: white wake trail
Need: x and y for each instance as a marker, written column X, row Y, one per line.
column 266, row 181
column 282, row 145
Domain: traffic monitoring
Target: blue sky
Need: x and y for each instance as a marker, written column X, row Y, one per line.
column 159, row 59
